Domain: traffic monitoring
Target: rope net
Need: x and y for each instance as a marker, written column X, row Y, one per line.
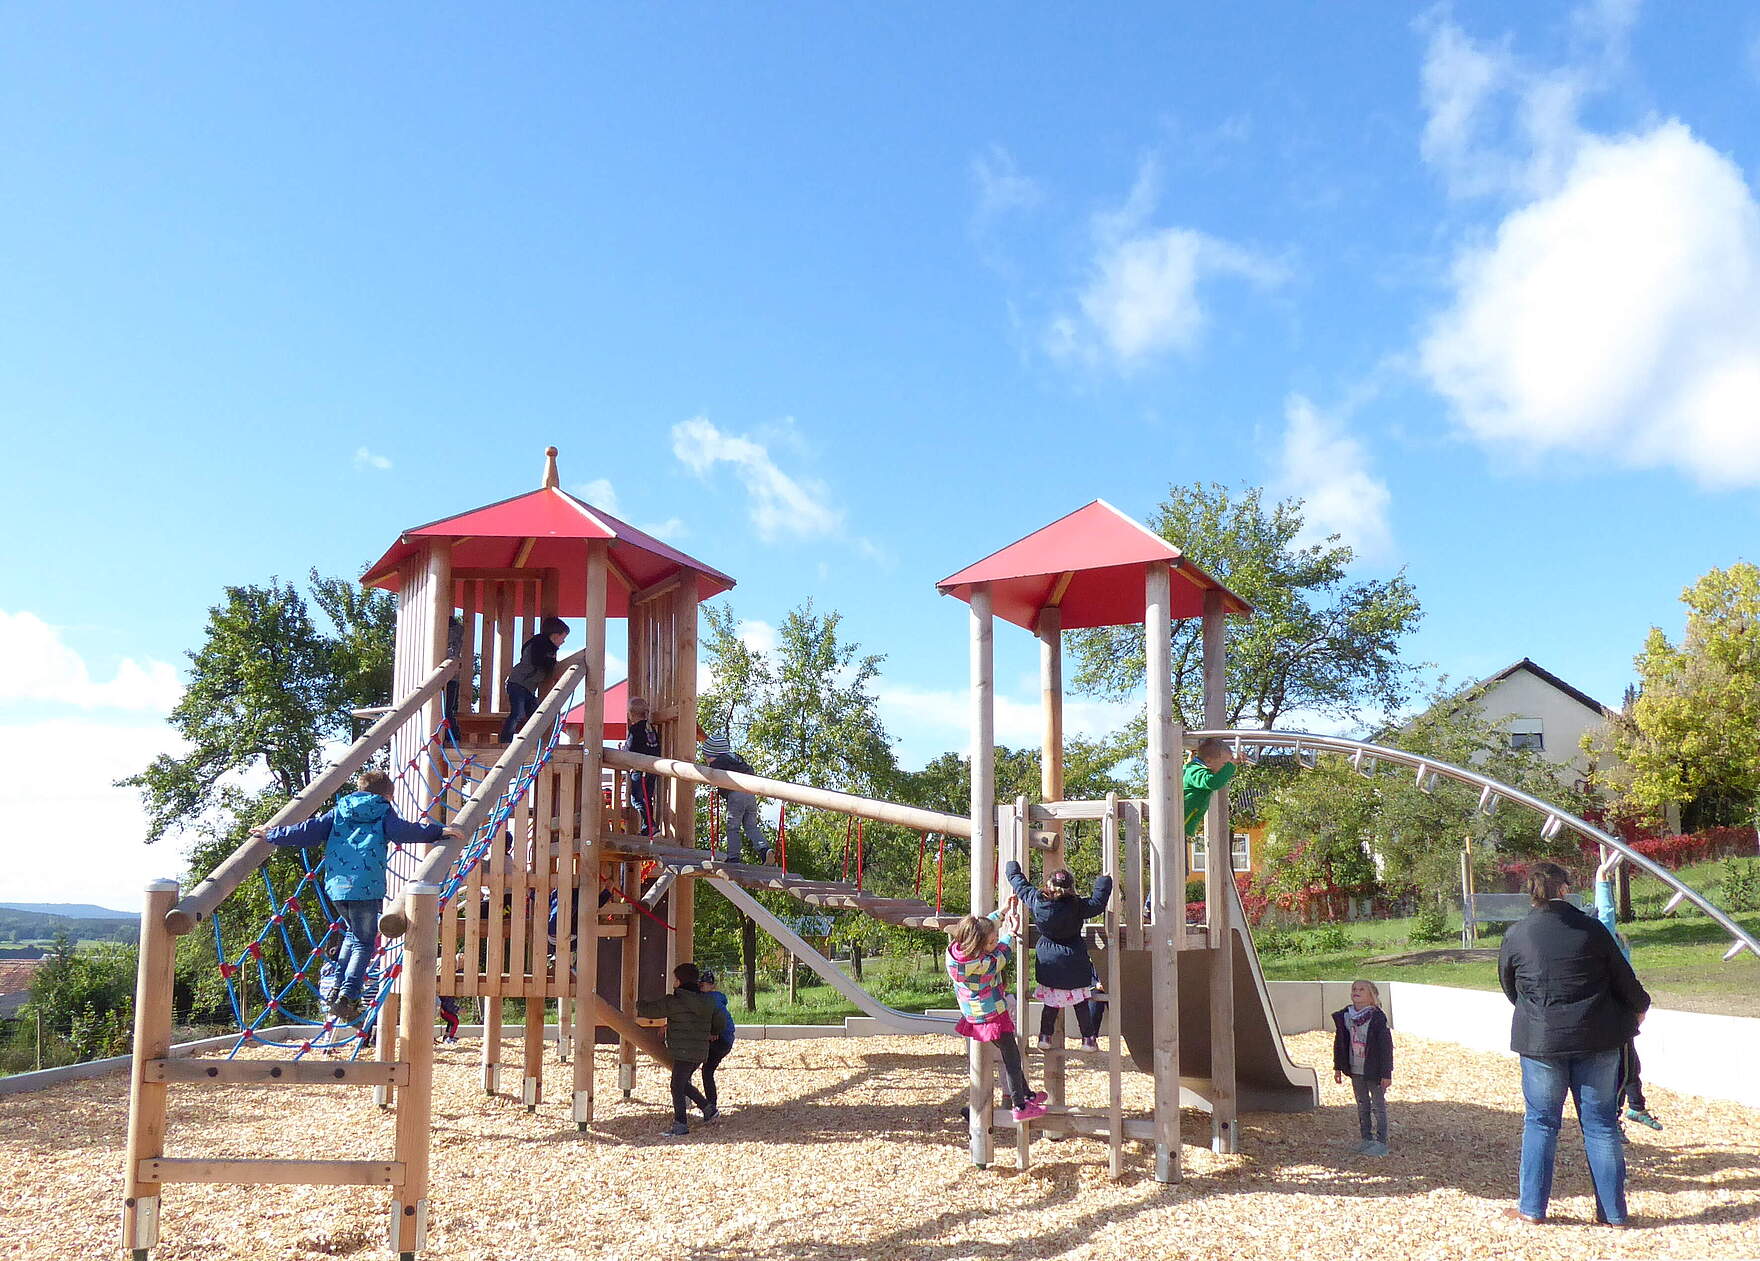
column 286, row 965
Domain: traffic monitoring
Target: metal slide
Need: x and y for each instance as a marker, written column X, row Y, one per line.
column 1366, row 758
column 800, row 948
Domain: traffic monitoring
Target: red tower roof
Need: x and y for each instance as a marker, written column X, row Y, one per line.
column 546, row 529
column 1090, row 565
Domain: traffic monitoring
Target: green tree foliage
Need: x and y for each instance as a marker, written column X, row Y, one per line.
column 268, row 690
column 1691, row 736
column 1318, row 643
column 85, row 1002
column 1333, row 826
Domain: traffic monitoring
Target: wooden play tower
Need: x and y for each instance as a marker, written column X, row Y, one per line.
column 1097, row 567
column 548, row 896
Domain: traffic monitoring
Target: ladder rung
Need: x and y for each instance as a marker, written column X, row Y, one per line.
column 315, row 1173
column 279, row 1072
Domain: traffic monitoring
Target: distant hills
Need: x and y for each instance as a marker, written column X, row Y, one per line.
column 67, row 910
column 39, row 921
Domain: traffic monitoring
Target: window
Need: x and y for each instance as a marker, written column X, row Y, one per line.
column 1526, row 733
column 1242, row 855
column 1198, row 861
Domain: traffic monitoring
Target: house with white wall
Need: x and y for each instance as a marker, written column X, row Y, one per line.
column 1540, row 711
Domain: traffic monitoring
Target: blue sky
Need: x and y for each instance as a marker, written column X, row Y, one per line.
column 842, row 301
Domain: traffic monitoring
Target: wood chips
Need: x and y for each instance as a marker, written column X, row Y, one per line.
column 854, row 1148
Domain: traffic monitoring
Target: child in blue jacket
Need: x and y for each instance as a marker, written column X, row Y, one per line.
column 356, row 836
column 719, row 1048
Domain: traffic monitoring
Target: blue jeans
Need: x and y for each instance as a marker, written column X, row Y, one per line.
column 1593, row 1081
column 522, row 702
column 360, row 929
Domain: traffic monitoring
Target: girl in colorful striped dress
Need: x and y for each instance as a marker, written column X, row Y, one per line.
column 977, row 962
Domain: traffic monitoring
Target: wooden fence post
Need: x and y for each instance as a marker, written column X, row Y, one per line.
column 152, row 1041
column 415, row 1107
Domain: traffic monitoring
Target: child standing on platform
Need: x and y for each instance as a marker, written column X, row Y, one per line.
column 977, row 962
column 1362, row 1049
column 1211, row 767
column 1061, row 965
column 719, row 1048
column 643, row 738
column 532, row 674
column 693, row 1023
column 742, row 807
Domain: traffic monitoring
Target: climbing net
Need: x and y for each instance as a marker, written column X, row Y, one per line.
column 284, row 967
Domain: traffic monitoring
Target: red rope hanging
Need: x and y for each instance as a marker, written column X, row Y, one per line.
column 940, row 870
column 848, row 830
column 714, row 819
column 859, row 823
column 922, row 853
column 782, row 835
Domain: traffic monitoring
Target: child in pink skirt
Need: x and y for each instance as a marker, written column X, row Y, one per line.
column 977, row 962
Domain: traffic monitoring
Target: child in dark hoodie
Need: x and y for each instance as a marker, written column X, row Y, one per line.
column 1362, row 1049
column 693, row 1022
column 532, row 674
column 1061, row 966
column 356, row 836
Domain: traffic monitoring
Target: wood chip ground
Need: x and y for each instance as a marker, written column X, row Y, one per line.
column 853, row 1148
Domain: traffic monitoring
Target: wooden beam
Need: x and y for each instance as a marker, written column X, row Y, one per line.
column 592, row 824
column 980, row 1098
column 1055, row 599
column 1050, row 635
column 524, row 554
column 654, row 590
column 258, row 1173
column 415, row 1104
column 271, row 1072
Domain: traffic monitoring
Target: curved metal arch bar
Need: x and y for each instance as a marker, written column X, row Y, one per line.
column 1302, row 740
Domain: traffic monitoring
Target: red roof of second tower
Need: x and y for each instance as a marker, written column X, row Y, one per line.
column 545, row 529
column 1090, row 565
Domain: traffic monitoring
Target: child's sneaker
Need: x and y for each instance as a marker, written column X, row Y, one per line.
column 1642, row 1117
column 1090, row 1044
column 710, row 1113
column 1042, row 1042
column 1032, row 1111
column 1362, row 1145
column 678, row 1130
column 1375, row 1149
column 347, row 1010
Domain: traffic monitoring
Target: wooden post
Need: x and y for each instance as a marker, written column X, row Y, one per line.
column 415, row 1109
column 536, row 1013
column 1167, row 867
column 629, row 978
column 154, row 979
column 586, row 970
column 1114, row 946
column 440, row 592
column 492, row 1039
column 980, row 1096
column 1014, row 842
column 385, row 1044
column 1218, row 875
column 684, row 892
column 1051, row 707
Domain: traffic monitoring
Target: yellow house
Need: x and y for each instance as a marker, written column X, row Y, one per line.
column 1249, row 848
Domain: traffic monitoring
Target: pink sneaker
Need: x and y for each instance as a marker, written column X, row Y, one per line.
column 1038, row 1096
column 1032, row 1111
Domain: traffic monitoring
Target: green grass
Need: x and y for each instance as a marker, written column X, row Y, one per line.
column 1679, row 959
column 911, row 984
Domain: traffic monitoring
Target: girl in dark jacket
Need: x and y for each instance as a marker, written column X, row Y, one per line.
column 1362, row 1050
column 1060, row 957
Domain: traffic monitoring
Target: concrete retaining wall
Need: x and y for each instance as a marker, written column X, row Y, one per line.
column 1687, row 1051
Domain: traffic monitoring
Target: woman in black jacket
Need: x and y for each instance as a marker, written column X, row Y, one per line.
column 1577, row 1004
column 1061, row 965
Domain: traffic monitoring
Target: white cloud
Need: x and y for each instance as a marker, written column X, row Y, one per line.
column 672, row 529
column 781, row 505
column 1618, row 316
column 99, row 854
column 1141, row 298
column 365, row 459
column 758, row 636
column 44, row 668
column 1001, row 187
column 601, row 494
column 1329, row 469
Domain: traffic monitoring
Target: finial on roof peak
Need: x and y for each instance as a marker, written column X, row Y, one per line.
column 551, row 481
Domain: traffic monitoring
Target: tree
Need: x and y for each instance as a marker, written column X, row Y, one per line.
column 268, row 691
column 1334, row 828
column 1691, row 734
column 1318, row 642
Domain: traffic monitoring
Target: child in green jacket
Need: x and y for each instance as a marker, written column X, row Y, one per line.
column 693, row 1021
column 1211, row 767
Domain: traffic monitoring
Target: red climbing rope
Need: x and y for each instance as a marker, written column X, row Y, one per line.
column 714, row 818
column 922, row 853
column 859, row 823
column 940, row 870
column 621, row 896
column 782, row 835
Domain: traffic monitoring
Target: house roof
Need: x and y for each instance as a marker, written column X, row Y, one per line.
column 1545, row 676
column 548, row 529
column 1090, row 565
column 16, row 975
